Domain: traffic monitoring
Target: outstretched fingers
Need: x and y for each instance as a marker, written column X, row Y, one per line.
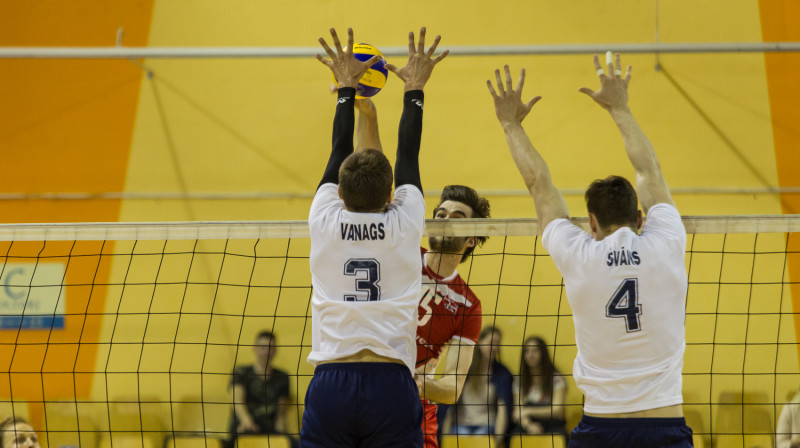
column 421, row 43
column 491, row 89
column 327, row 49
column 349, row 41
column 598, row 68
column 521, row 82
column 499, row 82
column 432, row 49
column 441, row 56
column 509, row 85
column 335, row 38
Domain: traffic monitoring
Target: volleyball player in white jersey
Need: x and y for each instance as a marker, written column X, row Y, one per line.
column 626, row 283
column 365, row 271
column 449, row 311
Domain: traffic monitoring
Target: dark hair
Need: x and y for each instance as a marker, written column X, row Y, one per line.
column 266, row 334
column 478, row 204
column 477, row 356
column 365, row 179
column 613, row 202
column 546, row 369
column 7, row 425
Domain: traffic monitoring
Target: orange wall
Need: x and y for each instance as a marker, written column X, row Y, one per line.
column 65, row 126
column 779, row 21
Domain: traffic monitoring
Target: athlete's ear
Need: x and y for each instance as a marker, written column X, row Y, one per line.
column 638, row 219
column 593, row 223
column 472, row 242
column 339, row 190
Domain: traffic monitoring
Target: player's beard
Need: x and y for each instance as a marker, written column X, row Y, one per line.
column 447, row 244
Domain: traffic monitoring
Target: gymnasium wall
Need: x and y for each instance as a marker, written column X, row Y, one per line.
column 193, row 126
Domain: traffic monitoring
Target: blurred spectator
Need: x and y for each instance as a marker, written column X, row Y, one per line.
column 16, row 432
column 260, row 393
column 539, row 393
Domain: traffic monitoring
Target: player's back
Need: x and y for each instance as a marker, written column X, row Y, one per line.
column 627, row 294
column 365, row 270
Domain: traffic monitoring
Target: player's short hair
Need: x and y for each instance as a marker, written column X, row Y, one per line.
column 479, row 205
column 612, row 201
column 365, row 179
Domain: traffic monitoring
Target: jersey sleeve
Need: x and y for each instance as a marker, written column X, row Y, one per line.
column 560, row 238
column 471, row 326
column 238, row 377
column 664, row 220
column 408, row 200
column 326, row 197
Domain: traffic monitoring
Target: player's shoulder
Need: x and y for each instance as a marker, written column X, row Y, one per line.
column 665, row 220
column 243, row 369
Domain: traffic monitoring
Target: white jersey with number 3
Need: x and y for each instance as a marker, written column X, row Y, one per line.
column 366, row 275
column 628, row 296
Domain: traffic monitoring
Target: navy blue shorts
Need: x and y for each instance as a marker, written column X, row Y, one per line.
column 594, row 432
column 362, row 405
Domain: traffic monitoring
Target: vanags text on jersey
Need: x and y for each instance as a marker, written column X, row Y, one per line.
column 359, row 232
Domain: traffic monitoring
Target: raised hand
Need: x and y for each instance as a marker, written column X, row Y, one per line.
column 345, row 67
column 508, row 105
column 420, row 63
column 613, row 93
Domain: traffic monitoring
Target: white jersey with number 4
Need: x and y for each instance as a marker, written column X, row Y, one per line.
column 628, row 295
column 366, row 275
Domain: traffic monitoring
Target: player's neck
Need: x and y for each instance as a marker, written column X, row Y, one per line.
column 444, row 265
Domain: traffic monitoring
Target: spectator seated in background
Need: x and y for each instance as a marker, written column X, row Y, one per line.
column 260, row 393
column 539, row 392
column 485, row 399
column 16, row 432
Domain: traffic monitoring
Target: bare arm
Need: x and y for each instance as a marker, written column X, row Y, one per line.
column 367, row 136
column 501, row 422
column 246, row 423
column 447, row 388
column 510, row 111
column 613, row 96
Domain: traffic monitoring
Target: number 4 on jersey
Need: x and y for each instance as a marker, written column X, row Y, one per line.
column 624, row 304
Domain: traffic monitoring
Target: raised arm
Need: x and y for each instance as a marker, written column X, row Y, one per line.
column 415, row 75
column 613, row 96
column 447, row 388
column 348, row 71
column 367, row 136
column 510, row 111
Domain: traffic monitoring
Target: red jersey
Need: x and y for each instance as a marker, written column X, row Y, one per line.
column 448, row 310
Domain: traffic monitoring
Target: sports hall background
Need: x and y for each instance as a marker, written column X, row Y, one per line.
column 248, row 125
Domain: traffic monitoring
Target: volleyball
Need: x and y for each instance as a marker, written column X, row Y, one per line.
column 375, row 78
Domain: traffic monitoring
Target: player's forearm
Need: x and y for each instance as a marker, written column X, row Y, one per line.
column 242, row 413
column 406, row 168
column 367, row 136
column 529, row 162
column 546, row 411
column 445, row 389
column 343, row 123
column 637, row 146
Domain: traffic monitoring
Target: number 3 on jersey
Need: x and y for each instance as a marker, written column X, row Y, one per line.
column 369, row 285
column 624, row 304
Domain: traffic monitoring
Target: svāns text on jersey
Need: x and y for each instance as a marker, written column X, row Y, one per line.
column 622, row 257
column 360, row 232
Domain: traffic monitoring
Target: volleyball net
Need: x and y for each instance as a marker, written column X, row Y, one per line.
column 114, row 332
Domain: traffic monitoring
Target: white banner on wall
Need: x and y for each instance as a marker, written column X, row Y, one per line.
column 32, row 296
